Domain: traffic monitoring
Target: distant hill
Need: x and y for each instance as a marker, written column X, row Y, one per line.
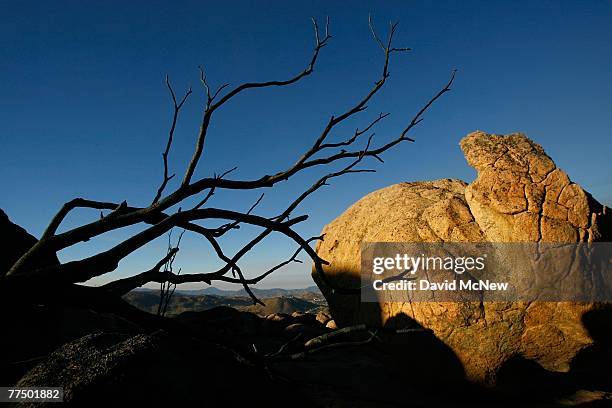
column 282, row 304
column 148, row 300
column 261, row 293
column 276, row 300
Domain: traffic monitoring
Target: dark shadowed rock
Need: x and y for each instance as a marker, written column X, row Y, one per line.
column 278, row 317
column 16, row 242
column 222, row 320
column 154, row 370
column 306, row 318
column 36, row 330
column 305, row 331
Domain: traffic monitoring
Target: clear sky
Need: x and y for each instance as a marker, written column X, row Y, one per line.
column 85, row 113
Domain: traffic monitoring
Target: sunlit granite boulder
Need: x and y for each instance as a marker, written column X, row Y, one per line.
column 519, row 195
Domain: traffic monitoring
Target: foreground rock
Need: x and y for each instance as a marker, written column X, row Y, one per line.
column 155, row 370
column 34, row 330
column 180, row 369
column 519, row 196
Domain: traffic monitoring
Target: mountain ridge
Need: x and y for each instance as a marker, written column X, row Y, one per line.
column 272, row 292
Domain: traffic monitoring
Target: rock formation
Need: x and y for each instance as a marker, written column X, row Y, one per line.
column 154, row 369
column 519, row 195
column 16, row 242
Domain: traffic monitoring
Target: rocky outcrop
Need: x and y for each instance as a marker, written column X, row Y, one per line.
column 37, row 330
column 16, row 242
column 519, row 195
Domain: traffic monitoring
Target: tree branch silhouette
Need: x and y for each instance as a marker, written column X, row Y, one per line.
column 160, row 216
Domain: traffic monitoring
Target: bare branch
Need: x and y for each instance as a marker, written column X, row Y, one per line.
column 324, row 345
column 357, row 133
column 210, row 108
column 210, row 97
column 107, row 261
column 211, row 190
column 257, row 279
column 373, row 31
column 177, row 108
column 120, row 287
column 235, row 224
column 71, row 205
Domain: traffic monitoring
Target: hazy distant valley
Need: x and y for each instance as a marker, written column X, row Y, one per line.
column 276, row 300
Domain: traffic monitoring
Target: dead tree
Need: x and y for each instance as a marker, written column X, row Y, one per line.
column 62, row 282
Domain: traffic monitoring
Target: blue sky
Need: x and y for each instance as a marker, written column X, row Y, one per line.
column 85, row 111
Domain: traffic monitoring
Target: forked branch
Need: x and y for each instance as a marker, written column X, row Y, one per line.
column 177, row 108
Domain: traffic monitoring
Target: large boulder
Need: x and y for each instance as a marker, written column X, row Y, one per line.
column 519, row 195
